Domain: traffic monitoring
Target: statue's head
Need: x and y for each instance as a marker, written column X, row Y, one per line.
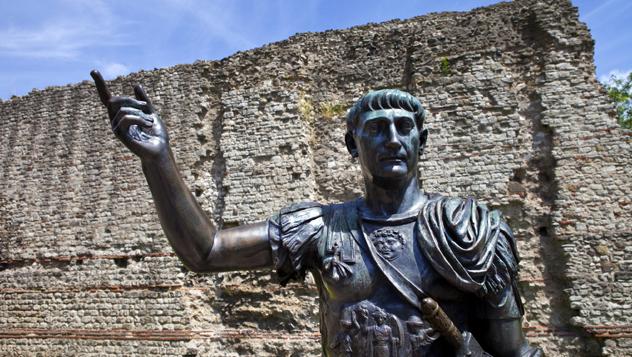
column 388, row 242
column 380, row 316
column 385, row 132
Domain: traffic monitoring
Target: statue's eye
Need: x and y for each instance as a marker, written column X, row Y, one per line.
column 404, row 126
column 373, row 127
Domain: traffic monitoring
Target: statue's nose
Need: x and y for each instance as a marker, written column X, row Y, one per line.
column 393, row 139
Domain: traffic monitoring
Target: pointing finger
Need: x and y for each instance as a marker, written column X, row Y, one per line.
column 102, row 89
column 140, row 94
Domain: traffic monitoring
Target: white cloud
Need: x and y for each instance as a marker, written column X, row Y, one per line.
column 63, row 37
column 112, row 70
column 60, row 40
column 603, row 6
column 616, row 73
column 220, row 19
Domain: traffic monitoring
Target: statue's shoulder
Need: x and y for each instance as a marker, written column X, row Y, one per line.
column 468, row 244
column 294, row 232
column 310, row 210
column 456, row 203
column 296, row 235
column 434, row 197
column 300, row 206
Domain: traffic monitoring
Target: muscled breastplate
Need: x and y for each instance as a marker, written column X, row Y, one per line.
column 362, row 313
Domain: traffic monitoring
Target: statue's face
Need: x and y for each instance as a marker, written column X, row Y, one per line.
column 389, row 247
column 379, row 319
column 388, row 143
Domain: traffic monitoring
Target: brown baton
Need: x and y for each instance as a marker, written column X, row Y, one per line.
column 437, row 318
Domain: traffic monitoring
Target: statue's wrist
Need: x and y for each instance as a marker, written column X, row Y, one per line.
column 161, row 158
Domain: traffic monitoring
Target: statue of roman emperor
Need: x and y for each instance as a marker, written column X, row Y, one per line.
column 399, row 271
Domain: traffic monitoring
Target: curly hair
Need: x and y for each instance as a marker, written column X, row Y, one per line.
column 387, row 233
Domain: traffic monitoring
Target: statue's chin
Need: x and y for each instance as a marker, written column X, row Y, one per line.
column 390, row 182
column 389, row 256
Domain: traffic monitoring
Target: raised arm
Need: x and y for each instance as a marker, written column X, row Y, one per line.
column 191, row 234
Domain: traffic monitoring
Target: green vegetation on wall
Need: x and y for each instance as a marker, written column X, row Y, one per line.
column 620, row 90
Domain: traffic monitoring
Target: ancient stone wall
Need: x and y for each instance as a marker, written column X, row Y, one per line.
column 517, row 120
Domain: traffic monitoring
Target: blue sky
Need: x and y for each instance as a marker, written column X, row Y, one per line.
column 56, row 42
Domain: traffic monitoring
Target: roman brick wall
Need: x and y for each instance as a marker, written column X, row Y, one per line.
column 516, row 119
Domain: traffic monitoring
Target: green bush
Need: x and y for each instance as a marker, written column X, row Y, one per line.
column 620, row 90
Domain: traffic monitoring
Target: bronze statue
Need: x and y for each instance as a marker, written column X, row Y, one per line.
column 400, row 272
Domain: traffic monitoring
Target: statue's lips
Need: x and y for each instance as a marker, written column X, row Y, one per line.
column 398, row 158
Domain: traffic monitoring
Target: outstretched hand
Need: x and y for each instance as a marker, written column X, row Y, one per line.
column 134, row 120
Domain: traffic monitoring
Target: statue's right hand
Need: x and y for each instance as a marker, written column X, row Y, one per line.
column 134, row 121
column 471, row 347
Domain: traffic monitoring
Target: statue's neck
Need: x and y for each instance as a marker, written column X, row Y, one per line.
column 385, row 198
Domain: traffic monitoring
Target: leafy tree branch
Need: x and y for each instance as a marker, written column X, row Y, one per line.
column 620, row 90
